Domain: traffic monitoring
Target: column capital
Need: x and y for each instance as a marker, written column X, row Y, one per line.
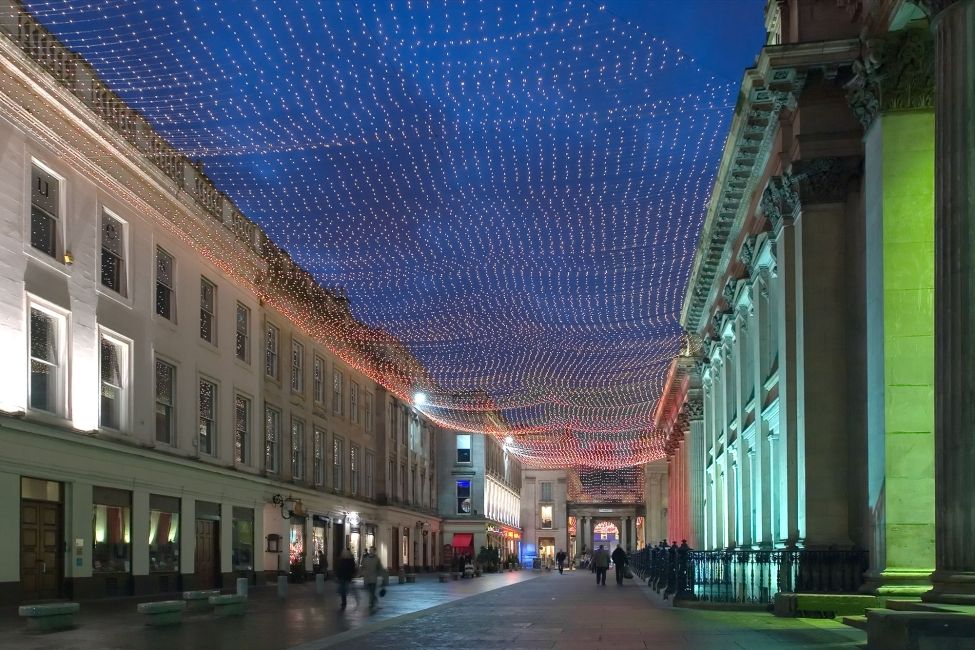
column 693, row 409
column 895, row 72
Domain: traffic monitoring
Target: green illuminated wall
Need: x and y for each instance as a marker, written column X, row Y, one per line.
column 900, row 205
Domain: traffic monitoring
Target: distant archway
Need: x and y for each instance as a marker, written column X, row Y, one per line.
column 605, row 534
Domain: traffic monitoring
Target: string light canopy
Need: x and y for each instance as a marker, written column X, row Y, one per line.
column 511, row 190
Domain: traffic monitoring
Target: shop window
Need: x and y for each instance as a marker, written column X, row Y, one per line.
column 45, row 212
column 243, row 539
column 463, row 448
column 464, row 497
column 163, row 534
column 111, row 531
column 319, row 544
column 113, row 254
column 165, row 401
column 296, row 546
column 165, row 285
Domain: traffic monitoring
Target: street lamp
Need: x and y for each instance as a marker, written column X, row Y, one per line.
column 287, row 505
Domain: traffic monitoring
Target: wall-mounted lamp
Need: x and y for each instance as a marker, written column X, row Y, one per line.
column 287, row 505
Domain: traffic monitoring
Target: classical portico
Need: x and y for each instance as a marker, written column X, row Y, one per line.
column 625, row 517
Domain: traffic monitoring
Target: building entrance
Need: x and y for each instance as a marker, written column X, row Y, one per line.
column 207, row 558
column 40, row 556
column 605, row 534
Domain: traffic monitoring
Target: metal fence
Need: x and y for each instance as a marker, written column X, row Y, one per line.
column 748, row 576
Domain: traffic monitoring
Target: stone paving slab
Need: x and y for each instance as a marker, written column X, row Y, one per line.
column 269, row 624
column 570, row 611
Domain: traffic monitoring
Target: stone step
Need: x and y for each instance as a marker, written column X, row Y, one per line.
column 889, row 629
column 911, row 605
column 859, row 622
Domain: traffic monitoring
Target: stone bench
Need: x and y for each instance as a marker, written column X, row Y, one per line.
column 229, row 604
column 163, row 612
column 199, row 601
column 50, row 617
column 444, row 577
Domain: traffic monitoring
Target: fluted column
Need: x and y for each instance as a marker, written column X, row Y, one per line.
column 953, row 23
column 696, row 476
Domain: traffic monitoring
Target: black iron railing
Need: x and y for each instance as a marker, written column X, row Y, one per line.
column 748, row 576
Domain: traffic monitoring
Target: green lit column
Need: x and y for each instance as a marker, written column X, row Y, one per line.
column 953, row 23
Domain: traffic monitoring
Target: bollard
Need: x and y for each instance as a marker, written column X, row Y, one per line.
column 282, row 586
column 242, row 586
column 319, row 583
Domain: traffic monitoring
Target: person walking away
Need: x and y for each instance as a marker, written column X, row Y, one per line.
column 372, row 570
column 620, row 561
column 600, row 560
column 344, row 572
column 560, row 560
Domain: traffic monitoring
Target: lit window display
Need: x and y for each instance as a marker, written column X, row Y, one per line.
column 296, row 546
column 111, row 538
column 163, row 534
column 243, row 539
column 319, row 543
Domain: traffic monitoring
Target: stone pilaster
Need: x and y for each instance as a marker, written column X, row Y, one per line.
column 694, row 409
column 953, row 23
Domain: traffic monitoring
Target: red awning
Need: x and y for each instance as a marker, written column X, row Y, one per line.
column 463, row 540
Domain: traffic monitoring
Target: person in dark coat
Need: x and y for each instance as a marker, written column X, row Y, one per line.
column 620, row 561
column 344, row 572
column 600, row 560
column 560, row 560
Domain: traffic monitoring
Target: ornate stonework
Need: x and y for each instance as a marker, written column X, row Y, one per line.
column 823, row 180
column 895, row 73
column 728, row 293
column 694, row 409
column 747, row 252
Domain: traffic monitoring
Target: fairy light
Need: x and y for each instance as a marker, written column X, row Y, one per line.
column 510, row 193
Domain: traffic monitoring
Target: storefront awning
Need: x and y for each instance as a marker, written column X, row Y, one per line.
column 463, row 540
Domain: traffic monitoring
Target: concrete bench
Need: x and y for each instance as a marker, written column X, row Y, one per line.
column 199, row 601
column 50, row 617
column 229, row 604
column 163, row 612
column 444, row 577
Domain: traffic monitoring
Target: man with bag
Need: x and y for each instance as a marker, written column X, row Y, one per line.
column 620, row 560
column 372, row 569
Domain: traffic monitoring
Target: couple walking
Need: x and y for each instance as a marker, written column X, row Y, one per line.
column 371, row 570
column 600, row 561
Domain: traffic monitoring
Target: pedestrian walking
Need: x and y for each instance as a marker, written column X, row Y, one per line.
column 620, row 560
column 344, row 572
column 560, row 560
column 600, row 560
column 372, row 571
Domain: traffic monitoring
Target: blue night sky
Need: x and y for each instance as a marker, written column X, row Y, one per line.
column 513, row 188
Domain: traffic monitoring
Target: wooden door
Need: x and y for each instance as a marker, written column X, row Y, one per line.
column 207, row 559
column 40, row 549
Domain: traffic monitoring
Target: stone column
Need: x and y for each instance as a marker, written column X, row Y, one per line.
column 953, row 22
column 697, row 478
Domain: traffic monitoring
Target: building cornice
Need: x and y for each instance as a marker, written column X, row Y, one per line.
column 772, row 86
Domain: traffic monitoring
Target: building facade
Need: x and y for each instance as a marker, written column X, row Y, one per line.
column 181, row 404
column 480, row 496
column 544, row 514
column 804, row 413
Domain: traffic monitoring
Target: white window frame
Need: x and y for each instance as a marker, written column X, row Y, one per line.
column 319, row 440
column 297, row 449
column 242, row 455
column 353, row 402
column 125, row 370
column 318, row 379
column 212, row 313
column 272, row 448
column 458, row 448
column 338, row 390
column 62, row 321
column 60, row 228
column 272, row 354
column 242, row 339
column 158, row 282
column 214, row 416
column 123, row 257
column 297, row 366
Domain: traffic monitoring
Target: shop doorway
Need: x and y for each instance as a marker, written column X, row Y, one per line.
column 207, row 559
column 40, row 553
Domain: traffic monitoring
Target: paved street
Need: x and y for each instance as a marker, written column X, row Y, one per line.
column 270, row 623
column 570, row 611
